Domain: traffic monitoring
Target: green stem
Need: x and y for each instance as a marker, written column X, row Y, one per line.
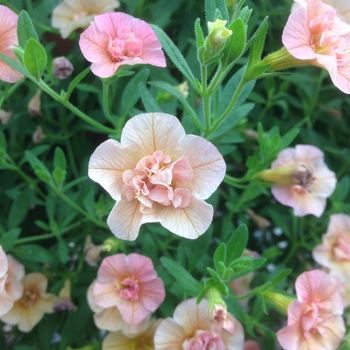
column 206, row 98
column 105, row 103
column 10, row 91
column 74, row 109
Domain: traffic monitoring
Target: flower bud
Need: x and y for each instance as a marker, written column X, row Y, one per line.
column 259, row 220
column 183, row 89
column 217, row 33
column 34, row 105
column 281, row 301
column 38, row 135
column 64, row 301
column 62, row 67
column 5, row 116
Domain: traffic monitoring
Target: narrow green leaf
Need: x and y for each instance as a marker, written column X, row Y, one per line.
column 60, row 159
column 237, row 244
column 199, row 33
column 14, row 64
column 183, row 277
column 25, row 29
column 148, row 100
column 62, row 250
column 19, row 208
column 175, row 55
column 289, row 137
column 75, row 82
column 256, row 43
column 211, row 7
column 35, row 58
column 59, row 176
column 280, row 277
column 3, row 142
column 8, row 239
column 219, row 255
column 33, row 252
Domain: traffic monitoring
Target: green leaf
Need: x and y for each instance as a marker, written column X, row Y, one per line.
column 33, row 252
column 289, row 137
column 175, row 55
column 14, row 64
column 237, row 244
column 199, row 34
column 211, row 7
column 39, row 168
column 25, row 29
column 219, row 255
column 60, row 159
column 256, row 43
column 35, row 58
column 8, row 239
column 62, row 250
column 148, row 100
column 75, row 82
column 59, row 176
column 3, row 142
column 19, row 208
column 280, row 277
column 189, row 284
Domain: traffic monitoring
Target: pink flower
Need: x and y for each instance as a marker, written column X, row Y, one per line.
column 158, row 174
column 129, row 283
column 116, row 39
column 8, row 39
column 334, row 252
column 251, row 345
column 31, row 307
column 314, row 320
column 70, row 15
column 315, row 33
column 11, row 289
column 302, row 180
column 190, row 330
column 342, row 7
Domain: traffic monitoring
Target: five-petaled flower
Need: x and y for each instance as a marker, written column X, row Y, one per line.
column 157, row 173
column 301, row 179
column 8, row 39
column 316, row 34
column 70, row 15
column 116, row 39
column 130, row 283
column 314, row 320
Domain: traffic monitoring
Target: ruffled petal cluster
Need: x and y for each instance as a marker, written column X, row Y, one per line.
column 8, row 39
column 70, row 15
column 116, row 39
column 189, row 329
column 314, row 32
column 314, row 320
column 157, row 173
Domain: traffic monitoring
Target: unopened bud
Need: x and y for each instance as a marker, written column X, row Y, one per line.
column 38, row 135
column 260, row 221
column 92, row 251
column 34, row 105
column 183, row 89
column 217, row 33
column 5, row 116
column 62, row 67
column 281, row 301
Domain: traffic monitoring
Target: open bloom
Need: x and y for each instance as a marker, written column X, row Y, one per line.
column 189, row 329
column 314, row 320
column 11, row 289
column 301, row 179
column 8, row 39
column 70, row 15
column 334, row 252
column 130, row 283
column 116, row 39
column 315, row 33
column 158, row 174
column 34, row 303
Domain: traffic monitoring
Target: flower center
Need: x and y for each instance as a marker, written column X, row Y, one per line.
column 312, row 321
column 341, row 249
column 29, row 298
column 203, row 340
column 124, row 46
column 129, row 288
column 158, row 180
column 79, row 17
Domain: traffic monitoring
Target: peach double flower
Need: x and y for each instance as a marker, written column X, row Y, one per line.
column 301, row 179
column 116, row 39
column 129, row 283
column 70, row 15
column 190, row 329
column 314, row 320
column 314, row 33
column 8, row 39
column 157, row 173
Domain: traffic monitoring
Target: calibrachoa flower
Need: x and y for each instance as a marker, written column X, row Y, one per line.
column 116, row 39
column 301, row 179
column 70, row 15
column 334, row 252
column 130, row 283
column 8, row 39
column 315, row 33
column 11, row 289
column 314, row 320
column 142, row 340
column 190, row 330
column 34, row 303
column 157, row 173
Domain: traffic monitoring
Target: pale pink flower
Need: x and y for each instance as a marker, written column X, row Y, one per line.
column 251, row 345
column 316, row 34
column 157, row 173
column 70, row 15
column 8, row 39
column 31, row 307
column 334, row 252
column 308, row 182
column 116, row 39
column 142, row 340
column 342, row 7
column 130, row 283
column 11, row 289
column 314, row 320
column 189, row 329
column 221, row 319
